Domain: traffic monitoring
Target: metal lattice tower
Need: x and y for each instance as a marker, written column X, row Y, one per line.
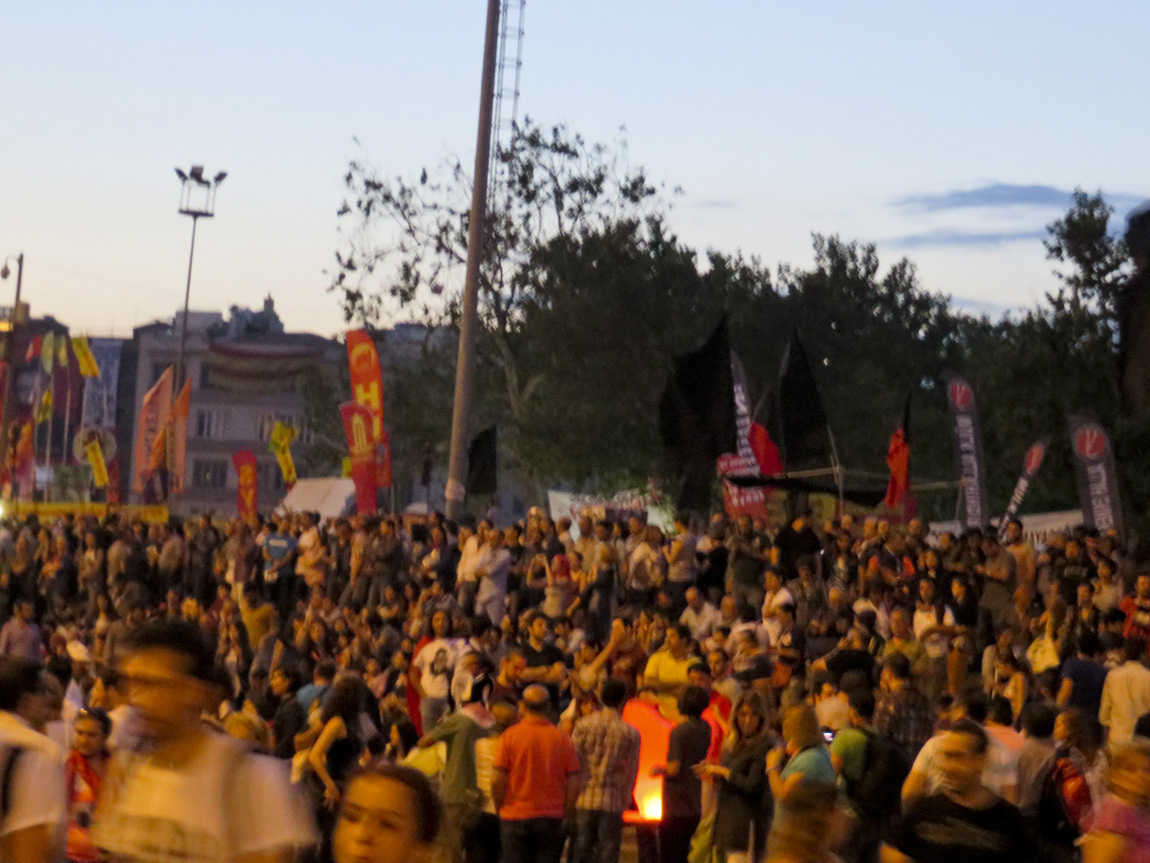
column 508, row 69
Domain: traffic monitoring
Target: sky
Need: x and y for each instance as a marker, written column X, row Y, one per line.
column 948, row 133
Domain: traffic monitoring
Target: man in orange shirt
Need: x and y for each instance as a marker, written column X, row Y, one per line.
column 536, row 783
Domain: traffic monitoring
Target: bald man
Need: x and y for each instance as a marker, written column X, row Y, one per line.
column 536, row 783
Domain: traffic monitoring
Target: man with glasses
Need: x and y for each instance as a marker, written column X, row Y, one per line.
column 187, row 791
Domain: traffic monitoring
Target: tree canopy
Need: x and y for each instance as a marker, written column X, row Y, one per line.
column 586, row 294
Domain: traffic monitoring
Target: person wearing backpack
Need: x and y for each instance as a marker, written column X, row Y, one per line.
column 872, row 769
column 186, row 790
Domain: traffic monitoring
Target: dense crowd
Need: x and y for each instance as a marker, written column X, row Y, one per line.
column 376, row 690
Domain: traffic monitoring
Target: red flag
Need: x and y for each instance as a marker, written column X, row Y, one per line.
column 898, row 460
column 367, row 390
column 34, row 348
column 361, row 449
column 766, row 453
column 247, row 502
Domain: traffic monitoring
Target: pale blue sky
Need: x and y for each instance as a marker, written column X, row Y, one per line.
column 778, row 119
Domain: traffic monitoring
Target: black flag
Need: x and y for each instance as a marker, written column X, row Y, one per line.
column 1096, row 474
column 799, row 423
column 483, row 463
column 697, row 416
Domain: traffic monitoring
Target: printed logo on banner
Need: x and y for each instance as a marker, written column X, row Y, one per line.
column 961, row 396
column 1090, row 443
column 1034, row 457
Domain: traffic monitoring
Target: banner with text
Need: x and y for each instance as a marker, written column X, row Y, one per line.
column 1030, row 466
column 357, row 429
column 367, row 390
column 1096, row 474
column 247, row 500
column 99, row 406
column 968, row 449
column 742, row 501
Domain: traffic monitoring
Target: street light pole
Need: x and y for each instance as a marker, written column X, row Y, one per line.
column 6, row 440
column 465, row 366
column 197, row 199
column 179, row 382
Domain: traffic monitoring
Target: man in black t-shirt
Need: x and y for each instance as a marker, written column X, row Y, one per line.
column 545, row 662
column 966, row 822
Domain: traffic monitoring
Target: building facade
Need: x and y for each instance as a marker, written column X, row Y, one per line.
column 245, row 374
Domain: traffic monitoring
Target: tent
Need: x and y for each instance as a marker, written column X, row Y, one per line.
column 1037, row 528
column 329, row 496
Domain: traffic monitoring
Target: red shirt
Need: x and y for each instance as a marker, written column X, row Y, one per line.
column 719, row 706
column 537, row 758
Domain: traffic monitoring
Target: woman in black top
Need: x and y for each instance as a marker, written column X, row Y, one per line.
column 745, row 803
column 682, row 790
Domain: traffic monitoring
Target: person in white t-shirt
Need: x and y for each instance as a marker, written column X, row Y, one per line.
column 434, row 666
column 699, row 615
column 187, row 793
column 32, row 801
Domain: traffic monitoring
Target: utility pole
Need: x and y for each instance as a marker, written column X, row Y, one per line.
column 465, row 365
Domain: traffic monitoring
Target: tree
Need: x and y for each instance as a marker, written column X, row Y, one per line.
column 584, row 297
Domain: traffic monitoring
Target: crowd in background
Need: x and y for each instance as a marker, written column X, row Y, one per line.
column 847, row 687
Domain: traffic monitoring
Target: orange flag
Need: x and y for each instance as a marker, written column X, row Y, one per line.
column 179, row 433
column 153, row 413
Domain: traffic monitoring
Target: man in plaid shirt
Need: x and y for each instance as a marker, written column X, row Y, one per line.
column 609, row 753
column 903, row 713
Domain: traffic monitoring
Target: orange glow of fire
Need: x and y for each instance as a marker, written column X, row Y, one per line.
column 654, row 739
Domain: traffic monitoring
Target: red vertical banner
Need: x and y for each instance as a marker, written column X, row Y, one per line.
column 367, row 390
column 360, row 447
column 246, row 500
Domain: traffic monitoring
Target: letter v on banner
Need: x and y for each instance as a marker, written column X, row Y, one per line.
column 247, row 502
column 1096, row 473
column 968, row 449
column 367, row 390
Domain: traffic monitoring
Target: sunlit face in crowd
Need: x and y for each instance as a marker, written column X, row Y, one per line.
column 378, row 823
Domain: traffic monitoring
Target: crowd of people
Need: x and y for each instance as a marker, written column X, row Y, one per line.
column 378, row 690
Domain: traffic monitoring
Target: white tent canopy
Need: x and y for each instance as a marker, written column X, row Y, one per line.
column 329, row 496
column 1036, row 528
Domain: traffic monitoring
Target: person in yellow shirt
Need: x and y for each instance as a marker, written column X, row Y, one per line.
column 668, row 670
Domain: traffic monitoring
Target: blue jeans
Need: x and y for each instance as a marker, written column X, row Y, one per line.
column 597, row 836
column 532, row 840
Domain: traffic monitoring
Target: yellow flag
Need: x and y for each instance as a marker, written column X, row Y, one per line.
column 44, row 408
column 95, row 456
column 345, row 471
column 279, row 443
column 85, row 359
column 47, row 352
column 62, row 351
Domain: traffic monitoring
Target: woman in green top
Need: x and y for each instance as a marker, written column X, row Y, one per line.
column 804, row 751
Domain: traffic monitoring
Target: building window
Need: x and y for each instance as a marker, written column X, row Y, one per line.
column 211, row 424
column 269, row 476
column 158, row 370
column 210, row 473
